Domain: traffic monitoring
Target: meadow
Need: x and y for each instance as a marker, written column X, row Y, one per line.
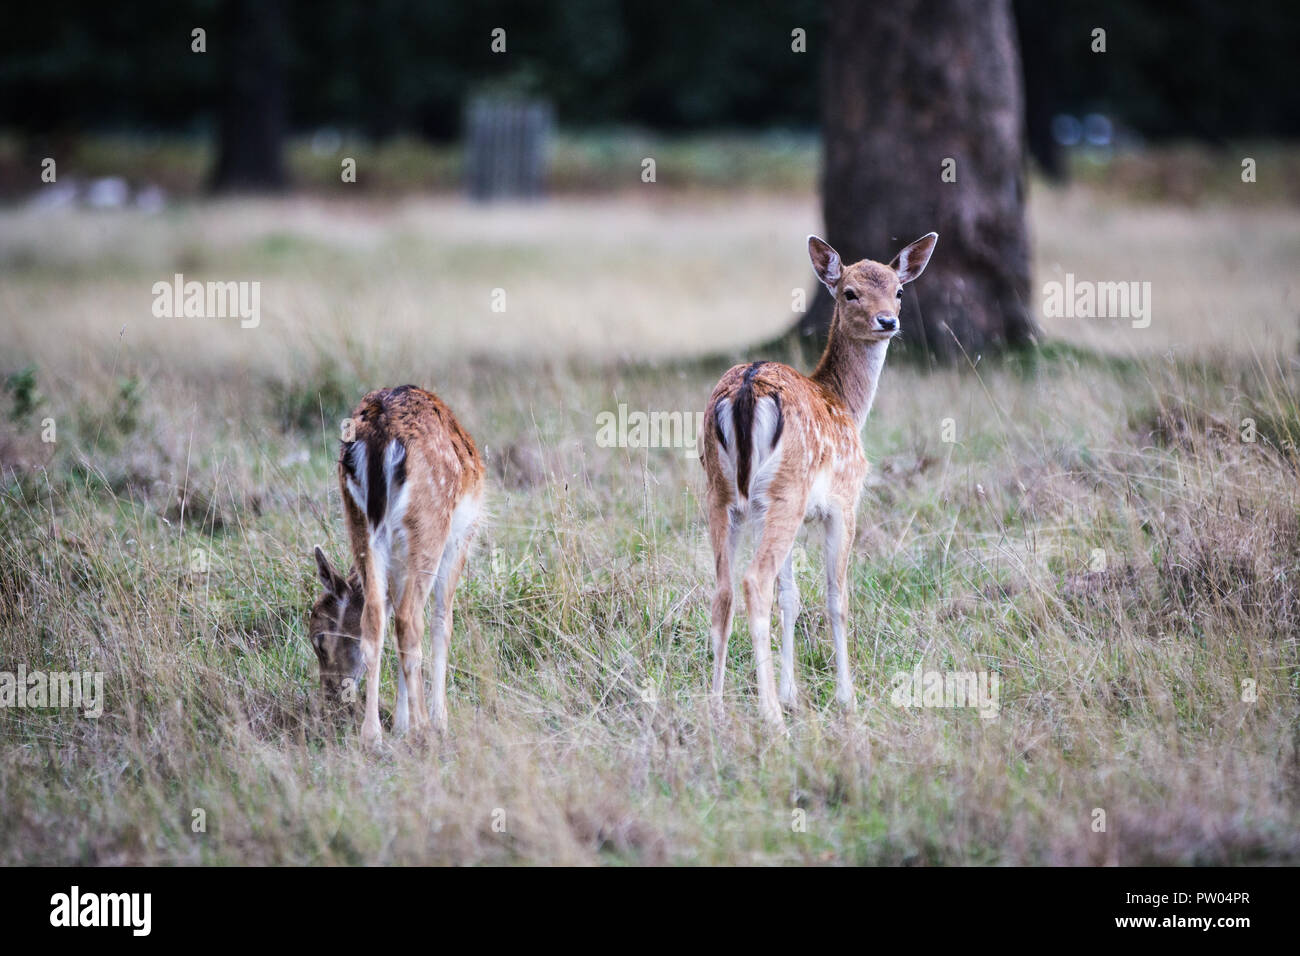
column 1111, row 524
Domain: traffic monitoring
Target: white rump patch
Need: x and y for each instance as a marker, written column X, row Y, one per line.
column 357, row 479
column 764, row 458
column 388, row 541
column 726, row 422
column 394, row 455
column 767, row 449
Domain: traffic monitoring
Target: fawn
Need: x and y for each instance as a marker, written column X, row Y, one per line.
column 412, row 487
column 781, row 448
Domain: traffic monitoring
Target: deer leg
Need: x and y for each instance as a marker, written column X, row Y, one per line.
column 373, row 624
column 411, row 592
column 410, row 656
column 839, row 546
column 788, row 598
column 780, row 525
column 444, row 590
column 724, row 533
column 402, row 715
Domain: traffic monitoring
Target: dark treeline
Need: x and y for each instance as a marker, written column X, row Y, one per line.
column 1206, row 69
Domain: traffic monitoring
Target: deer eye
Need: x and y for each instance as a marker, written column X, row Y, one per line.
column 850, row 295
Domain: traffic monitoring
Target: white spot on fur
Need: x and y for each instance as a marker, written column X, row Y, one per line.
column 388, row 539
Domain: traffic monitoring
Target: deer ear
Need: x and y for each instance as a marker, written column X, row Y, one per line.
column 911, row 261
column 328, row 576
column 826, row 262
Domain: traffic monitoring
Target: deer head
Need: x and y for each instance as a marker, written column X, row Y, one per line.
column 867, row 294
column 334, row 629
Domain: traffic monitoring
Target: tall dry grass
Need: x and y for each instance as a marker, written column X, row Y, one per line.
column 580, row 731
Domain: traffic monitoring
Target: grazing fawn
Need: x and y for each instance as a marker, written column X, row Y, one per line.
column 781, row 449
column 412, row 487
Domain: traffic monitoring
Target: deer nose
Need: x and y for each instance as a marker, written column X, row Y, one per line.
column 886, row 322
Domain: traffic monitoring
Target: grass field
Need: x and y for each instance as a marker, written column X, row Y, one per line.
column 1098, row 534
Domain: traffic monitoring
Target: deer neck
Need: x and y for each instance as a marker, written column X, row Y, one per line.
column 850, row 370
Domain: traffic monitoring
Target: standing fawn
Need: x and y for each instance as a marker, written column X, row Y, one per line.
column 781, row 449
column 412, row 487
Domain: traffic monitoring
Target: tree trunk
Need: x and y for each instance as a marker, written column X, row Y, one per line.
column 908, row 85
column 252, row 46
column 1041, row 58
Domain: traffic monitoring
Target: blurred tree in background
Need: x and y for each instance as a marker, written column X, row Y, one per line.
column 923, row 126
column 906, row 83
column 1209, row 70
column 1197, row 68
column 252, row 113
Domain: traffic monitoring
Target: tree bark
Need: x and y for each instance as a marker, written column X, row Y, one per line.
column 907, row 85
column 252, row 112
column 1041, row 59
